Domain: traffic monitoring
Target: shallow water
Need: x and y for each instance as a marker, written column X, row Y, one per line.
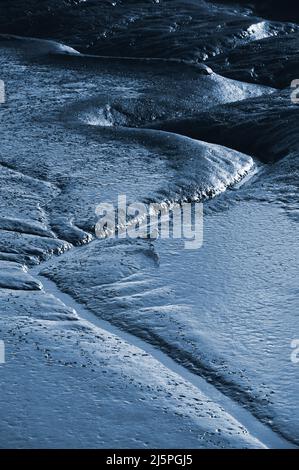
column 155, row 125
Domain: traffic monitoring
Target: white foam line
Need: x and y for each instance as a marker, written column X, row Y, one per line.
column 256, row 428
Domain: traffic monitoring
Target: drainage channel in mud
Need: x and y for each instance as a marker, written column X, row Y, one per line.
column 256, row 428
